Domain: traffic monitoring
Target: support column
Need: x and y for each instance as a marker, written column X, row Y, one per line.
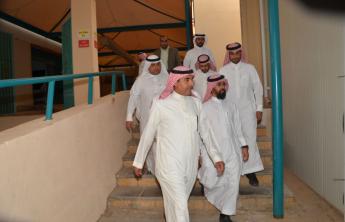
column 277, row 111
column 188, row 24
column 84, row 46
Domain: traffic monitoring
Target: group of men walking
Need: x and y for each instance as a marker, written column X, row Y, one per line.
column 197, row 122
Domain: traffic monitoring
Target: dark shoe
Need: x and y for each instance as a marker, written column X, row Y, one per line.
column 253, row 180
column 224, row 218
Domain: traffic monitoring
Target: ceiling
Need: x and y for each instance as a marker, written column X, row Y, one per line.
column 135, row 25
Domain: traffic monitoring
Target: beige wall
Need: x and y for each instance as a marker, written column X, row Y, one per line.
column 313, row 55
column 64, row 169
column 220, row 20
column 251, row 34
column 22, row 69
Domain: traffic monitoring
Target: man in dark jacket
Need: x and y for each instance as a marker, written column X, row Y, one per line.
column 168, row 55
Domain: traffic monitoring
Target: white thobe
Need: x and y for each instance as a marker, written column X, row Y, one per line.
column 246, row 92
column 223, row 119
column 200, row 82
column 174, row 123
column 141, row 67
column 192, row 55
column 145, row 88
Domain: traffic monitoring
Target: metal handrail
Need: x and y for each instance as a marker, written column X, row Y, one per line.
column 51, row 85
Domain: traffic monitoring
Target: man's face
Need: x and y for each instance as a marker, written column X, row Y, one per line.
column 155, row 68
column 219, row 90
column 204, row 67
column 235, row 57
column 184, row 86
column 164, row 42
column 200, row 41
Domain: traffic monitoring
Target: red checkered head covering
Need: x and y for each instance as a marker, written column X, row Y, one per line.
column 233, row 47
column 212, row 82
column 177, row 73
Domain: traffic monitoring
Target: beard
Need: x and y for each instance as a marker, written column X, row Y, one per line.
column 221, row 95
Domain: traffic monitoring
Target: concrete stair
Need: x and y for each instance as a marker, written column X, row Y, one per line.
column 150, row 197
column 141, row 199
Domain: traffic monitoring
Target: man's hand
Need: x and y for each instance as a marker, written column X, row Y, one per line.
column 245, row 153
column 138, row 172
column 220, row 167
column 258, row 116
column 129, row 125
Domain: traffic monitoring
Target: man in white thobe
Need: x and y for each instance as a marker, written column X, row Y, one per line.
column 203, row 71
column 173, row 122
column 223, row 119
column 145, row 88
column 247, row 93
column 191, row 58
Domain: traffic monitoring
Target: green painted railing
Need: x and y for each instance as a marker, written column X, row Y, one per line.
column 277, row 110
column 51, row 85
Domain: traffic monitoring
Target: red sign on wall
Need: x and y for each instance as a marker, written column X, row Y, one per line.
column 83, row 43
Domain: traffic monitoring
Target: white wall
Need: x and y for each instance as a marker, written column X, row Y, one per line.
column 313, row 55
column 64, row 169
column 221, row 21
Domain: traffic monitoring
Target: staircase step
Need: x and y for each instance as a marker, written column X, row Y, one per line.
column 264, row 143
column 125, row 177
column 153, row 215
column 261, row 130
column 251, row 198
column 266, row 157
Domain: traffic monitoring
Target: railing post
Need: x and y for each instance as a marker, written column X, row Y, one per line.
column 124, row 83
column 50, row 100
column 113, row 83
column 277, row 111
column 90, row 94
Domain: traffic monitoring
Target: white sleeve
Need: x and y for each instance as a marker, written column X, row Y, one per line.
column 134, row 97
column 147, row 137
column 187, row 60
column 208, row 138
column 238, row 126
column 222, row 72
column 213, row 59
column 141, row 67
column 258, row 90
